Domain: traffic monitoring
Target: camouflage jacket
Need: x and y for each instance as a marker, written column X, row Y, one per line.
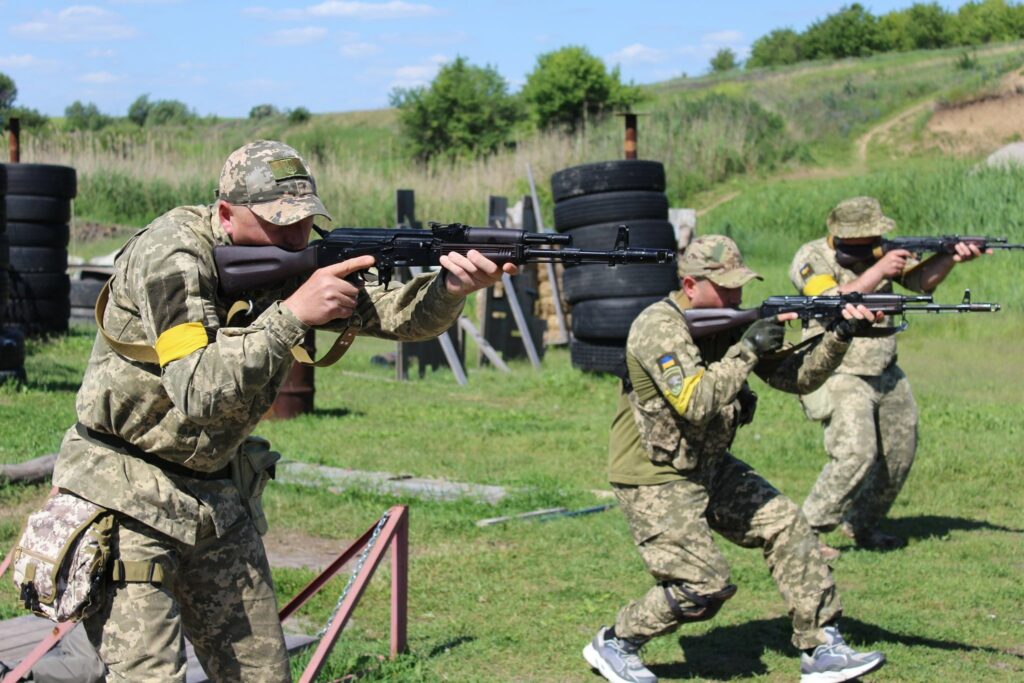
column 680, row 405
column 214, row 382
column 815, row 271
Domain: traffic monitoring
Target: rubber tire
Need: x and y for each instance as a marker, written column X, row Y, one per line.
column 644, row 234
column 31, row 209
column 38, row 316
column 12, row 349
column 5, row 252
column 608, row 207
column 595, row 281
column 599, row 357
column 608, row 319
column 39, row 285
column 16, row 377
column 39, row 259
column 5, row 288
column 84, row 292
column 608, row 176
column 42, row 180
column 39, row 234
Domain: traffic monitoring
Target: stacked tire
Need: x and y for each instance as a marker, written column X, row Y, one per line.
column 38, row 208
column 591, row 202
column 12, row 342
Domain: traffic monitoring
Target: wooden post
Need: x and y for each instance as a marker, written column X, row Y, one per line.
column 14, row 125
column 630, row 145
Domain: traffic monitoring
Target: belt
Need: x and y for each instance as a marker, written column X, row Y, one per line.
column 118, row 444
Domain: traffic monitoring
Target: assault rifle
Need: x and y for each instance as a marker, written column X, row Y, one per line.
column 704, row 322
column 243, row 268
column 848, row 255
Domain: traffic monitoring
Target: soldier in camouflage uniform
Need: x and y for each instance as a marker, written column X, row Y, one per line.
column 867, row 409
column 677, row 482
column 171, row 394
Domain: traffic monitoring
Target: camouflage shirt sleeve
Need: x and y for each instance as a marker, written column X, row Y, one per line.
column 805, row 369
column 696, row 391
column 208, row 371
column 812, row 273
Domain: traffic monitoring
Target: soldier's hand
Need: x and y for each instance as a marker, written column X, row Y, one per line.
column 893, row 263
column 472, row 271
column 966, row 251
column 856, row 322
column 327, row 295
column 766, row 335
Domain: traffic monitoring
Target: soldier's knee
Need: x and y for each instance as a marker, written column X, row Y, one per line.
column 699, row 607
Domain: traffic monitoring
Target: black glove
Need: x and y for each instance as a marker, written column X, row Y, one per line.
column 847, row 329
column 764, row 336
column 748, row 404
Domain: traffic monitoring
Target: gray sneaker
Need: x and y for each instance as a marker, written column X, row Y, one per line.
column 836, row 661
column 616, row 659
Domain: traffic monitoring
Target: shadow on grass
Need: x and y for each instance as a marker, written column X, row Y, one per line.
column 442, row 648
column 937, row 526
column 731, row 652
column 337, row 412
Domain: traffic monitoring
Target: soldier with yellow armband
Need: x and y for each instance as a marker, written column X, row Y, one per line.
column 867, row 409
column 172, row 392
column 676, row 480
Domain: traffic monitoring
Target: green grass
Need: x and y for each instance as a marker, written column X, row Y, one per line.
column 517, row 602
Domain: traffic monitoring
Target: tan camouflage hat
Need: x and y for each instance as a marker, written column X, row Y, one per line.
column 858, row 217
column 717, row 258
column 273, row 181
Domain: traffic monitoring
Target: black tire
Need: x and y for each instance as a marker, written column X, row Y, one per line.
column 39, row 234
column 5, row 252
column 5, row 288
column 608, row 319
column 595, row 356
column 12, row 349
column 14, row 377
column 644, row 234
column 31, row 209
column 39, row 285
column 84, row 292
column 39, row 259
column 608, row 207
column 595, row 281
column 45, row 180
column 38, row 316
column 608, row 176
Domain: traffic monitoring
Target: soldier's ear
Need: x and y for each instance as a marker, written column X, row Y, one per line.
column 224, row 213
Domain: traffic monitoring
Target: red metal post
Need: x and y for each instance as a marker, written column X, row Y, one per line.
column 14, row 125
column 400, row 585
column 630, row 146
column 44, row 646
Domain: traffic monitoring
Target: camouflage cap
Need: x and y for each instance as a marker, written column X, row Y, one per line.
column 858, row 217
column 717, row 258
column 273, row 181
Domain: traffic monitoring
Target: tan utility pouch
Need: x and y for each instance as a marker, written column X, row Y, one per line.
column 61, row 560
column 251, row 471
column 817, row 404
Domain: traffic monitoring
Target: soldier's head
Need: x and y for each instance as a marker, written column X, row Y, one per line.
column 858, row 220
column 712, row 272
column 267, row 195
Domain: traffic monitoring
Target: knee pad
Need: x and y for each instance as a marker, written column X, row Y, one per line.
column 705, row 606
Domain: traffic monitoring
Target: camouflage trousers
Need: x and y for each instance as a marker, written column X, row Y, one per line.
column 217, row 593
column 871, row 439
column 672, row 524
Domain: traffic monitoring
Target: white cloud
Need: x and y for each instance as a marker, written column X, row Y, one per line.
column 99, row 78
column 723, row 38
column 101, row 53
column 23, row 61
column 638, row 54
column 359, row 49
column 417, row 75
column 78, row 23
column 395, row 9
column 297, row 36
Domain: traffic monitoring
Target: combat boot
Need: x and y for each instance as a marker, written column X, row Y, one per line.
column 873, row 539
column 616, row 659
column 835, row 661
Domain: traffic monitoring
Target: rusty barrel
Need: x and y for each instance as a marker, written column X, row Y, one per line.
column 295, row 396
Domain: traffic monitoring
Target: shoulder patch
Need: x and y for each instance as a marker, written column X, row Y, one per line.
column 806, row 270
column 671, row 373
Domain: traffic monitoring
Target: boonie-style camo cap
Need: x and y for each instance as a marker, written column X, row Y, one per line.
column 717, row 258
column 273, row 181
column 858, row 217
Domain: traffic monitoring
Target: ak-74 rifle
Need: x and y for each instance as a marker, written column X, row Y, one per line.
column 848, row 255
column 704, row 322
column 244, row 268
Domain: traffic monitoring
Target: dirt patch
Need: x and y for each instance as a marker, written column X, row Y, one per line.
column 294, row 549
column 979, row 126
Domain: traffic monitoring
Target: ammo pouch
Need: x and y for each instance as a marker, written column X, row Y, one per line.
column 817, row 404
column 251, row 471
column 62, row 557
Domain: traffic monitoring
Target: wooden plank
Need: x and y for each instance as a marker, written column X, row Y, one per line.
column 195, row 673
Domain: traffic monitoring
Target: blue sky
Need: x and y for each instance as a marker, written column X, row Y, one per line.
column 223, row 57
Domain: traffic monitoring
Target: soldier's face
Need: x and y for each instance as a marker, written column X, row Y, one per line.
column 706, row 294
column 246, row 228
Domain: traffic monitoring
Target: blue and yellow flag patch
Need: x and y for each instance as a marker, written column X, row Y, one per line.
column 671, row 373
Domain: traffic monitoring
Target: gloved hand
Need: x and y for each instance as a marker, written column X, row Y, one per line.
column 748, row 405
column 764, row 336
column 848, row 328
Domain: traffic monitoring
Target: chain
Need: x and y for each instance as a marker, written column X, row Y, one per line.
column 355, row 572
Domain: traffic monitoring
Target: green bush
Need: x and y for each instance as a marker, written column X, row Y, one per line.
column 780, row 47
column 723, row 61
column 138, row 111
column 299, row 115
column 119, row 198
column 263, row 111
column 79, row 116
